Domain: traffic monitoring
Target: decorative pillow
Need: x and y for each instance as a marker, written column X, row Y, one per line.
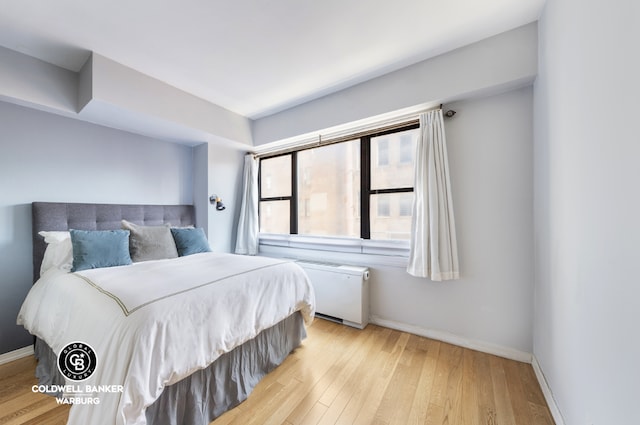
column 59, row 253
column 190, row 240
column 150, row 242
column 93, row 249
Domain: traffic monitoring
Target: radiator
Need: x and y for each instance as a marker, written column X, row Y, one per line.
column 342, row 292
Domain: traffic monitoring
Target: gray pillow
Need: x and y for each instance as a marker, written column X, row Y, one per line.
column 150, row 242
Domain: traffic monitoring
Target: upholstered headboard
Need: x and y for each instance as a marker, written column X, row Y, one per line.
column 65, row 216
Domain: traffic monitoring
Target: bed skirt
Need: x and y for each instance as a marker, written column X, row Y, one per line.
column 207, row 393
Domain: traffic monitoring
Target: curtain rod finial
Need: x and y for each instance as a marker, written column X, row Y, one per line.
column 450, row 113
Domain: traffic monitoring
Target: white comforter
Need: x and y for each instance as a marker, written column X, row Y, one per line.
column 154, row 323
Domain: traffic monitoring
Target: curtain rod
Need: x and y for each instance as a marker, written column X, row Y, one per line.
column 343, row 136
column 319, row 141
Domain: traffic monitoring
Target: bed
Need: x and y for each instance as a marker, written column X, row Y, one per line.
column 177, row 340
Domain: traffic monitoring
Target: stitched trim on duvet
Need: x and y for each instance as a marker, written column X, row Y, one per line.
column 127, row 311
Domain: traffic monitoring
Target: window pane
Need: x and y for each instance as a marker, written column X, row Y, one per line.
column 384, row 207
column 405, row 204
column 274, row 217
column 391, row 216
column 407, row 148
column 382, row 148
column 329, row 190
column 275, row 177
column 392, row 161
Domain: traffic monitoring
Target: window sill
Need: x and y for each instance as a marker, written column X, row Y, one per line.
column 386, row 252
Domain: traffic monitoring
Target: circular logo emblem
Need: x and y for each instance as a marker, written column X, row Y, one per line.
column 77, row 361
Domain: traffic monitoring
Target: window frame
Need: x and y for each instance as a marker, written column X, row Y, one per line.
column 365, row 181
column 293, row 198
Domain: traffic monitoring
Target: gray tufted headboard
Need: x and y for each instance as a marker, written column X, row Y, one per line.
column 65, row 216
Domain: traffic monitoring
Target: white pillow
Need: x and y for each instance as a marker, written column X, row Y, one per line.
column 59, row 252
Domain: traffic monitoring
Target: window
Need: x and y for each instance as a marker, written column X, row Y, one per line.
column 391, row 186
column 332, row 195
column 361, row 188
column 275, row 194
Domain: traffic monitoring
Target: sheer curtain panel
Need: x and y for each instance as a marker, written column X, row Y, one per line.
column 434, row 253
column 248, row 225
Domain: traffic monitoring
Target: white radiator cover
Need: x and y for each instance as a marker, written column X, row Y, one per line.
column 342, row 292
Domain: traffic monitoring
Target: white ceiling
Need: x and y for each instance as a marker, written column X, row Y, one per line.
column 255, row 57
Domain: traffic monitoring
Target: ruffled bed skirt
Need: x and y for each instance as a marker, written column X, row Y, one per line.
column 207, row 393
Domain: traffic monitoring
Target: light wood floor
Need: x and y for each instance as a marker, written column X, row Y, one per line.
column 342, row 375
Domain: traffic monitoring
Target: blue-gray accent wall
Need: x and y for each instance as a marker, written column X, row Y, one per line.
column 46, row 157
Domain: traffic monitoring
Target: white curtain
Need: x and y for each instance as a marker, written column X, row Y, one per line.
column 247, row 238
column 434, row 253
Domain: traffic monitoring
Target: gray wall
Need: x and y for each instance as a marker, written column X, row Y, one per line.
column 587, row 208
column 101, row 93
column 507, row 60
column 491, row 160
column 219, row 172
column 45, row 157
column 490, row 144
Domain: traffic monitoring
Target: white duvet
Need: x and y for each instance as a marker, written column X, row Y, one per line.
column 154, row 323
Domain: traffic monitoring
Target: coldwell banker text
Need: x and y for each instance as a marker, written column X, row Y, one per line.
column 77, row 394
column 68, row 389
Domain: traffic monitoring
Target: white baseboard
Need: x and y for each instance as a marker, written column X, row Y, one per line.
column 485, row 347
column 16, row 354
column 546, row 391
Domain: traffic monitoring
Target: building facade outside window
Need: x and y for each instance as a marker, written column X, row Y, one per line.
column 358, row 188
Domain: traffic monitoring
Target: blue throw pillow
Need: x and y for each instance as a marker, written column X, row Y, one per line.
column 190, row 240
column 93, row 249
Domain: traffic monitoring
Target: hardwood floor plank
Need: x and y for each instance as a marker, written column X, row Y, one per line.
column 453, row 400
column 257, row 408
column 435, row 415
column 57, row 416
column 530, row 384
column 335, row 360
column 398, row 398
column 441, row 377
column 504, row 411
column 16, row 367
column 421, row 399
column 486, row 407
column 339, row 376
column 28, row 412
column 469, row 400
column 367, row 378
column 314, row 415
column 317, row 391
column 349, row 385
column 229, row 416
column 347, row 364
column 540, row 414
column 368, row 413
column 519, row 401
